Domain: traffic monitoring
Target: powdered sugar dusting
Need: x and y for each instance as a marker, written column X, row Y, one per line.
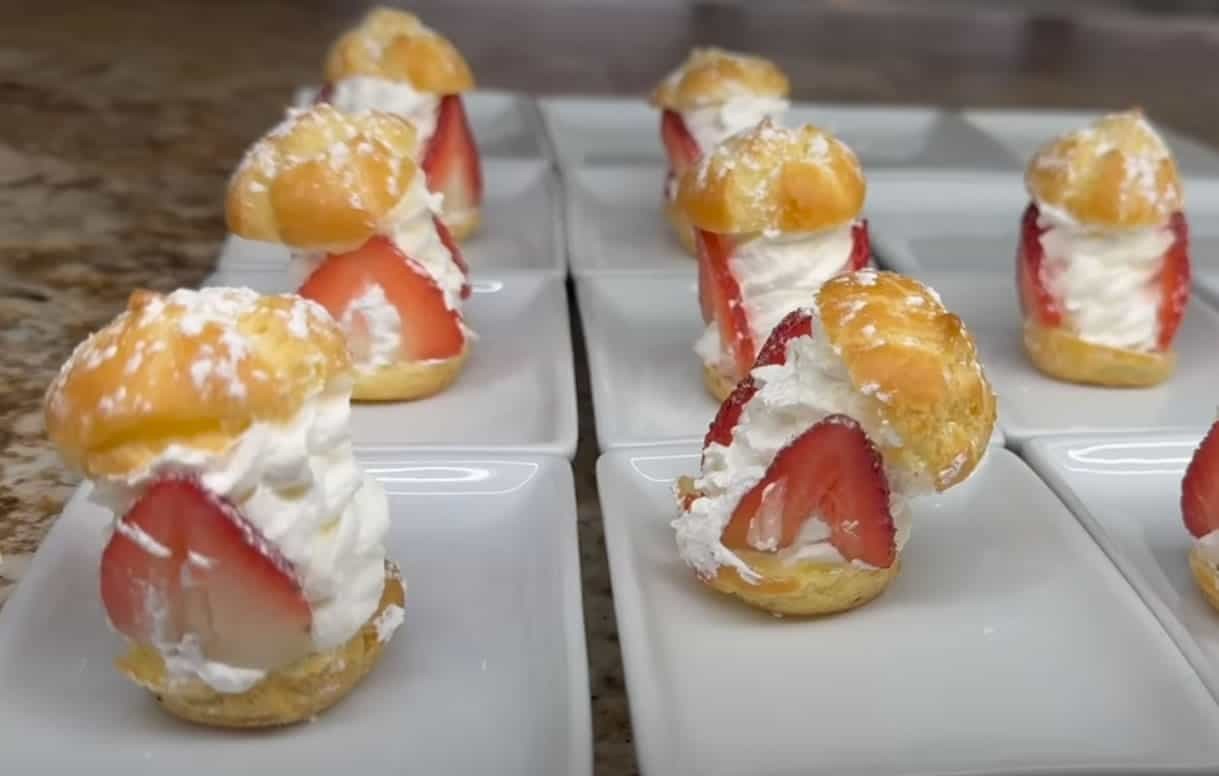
column 388, row 621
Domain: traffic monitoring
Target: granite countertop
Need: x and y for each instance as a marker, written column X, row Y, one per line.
column 121, row 125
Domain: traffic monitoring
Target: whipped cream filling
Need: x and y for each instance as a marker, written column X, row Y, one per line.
column 411, row 226
column 363, row 92
column 778, row 273
column 710, row 124
column 791, row 397
column 296, row 482
column 379, row 343
column 1105, row 280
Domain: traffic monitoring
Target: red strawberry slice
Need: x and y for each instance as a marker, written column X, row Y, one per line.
column 451, row 161
column 1035, row 297
column 681, row 146
column 798, row 323
column 184, row 563
column 861, row 247
column 459, row 259
column 325, row 94
column 832, row 471
column 1174, row 282
column 430, row 330
column 720, row 297
column 1200, row 487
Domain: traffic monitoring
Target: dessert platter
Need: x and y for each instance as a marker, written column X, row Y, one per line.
column 909, row 465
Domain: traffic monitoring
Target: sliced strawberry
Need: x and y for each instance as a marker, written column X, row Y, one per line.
column 185, row 564
column 833, row 472
column 451, row 161
column 681, row 146
column 1174, row 282
column 1035, row 297
column 720, row 297
column 459, row 259
column 861, row 247
column 798, row 323
column 325, row 94
column 430, row 330
column 1200, row 487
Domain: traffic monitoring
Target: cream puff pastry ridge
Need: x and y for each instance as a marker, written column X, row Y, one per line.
column 397, row 46
column 711, row 75
column 191, row 367
column 773, row 178
column 1116, row 173
column 322, row 179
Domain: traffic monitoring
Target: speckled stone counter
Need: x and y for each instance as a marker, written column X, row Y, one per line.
column 118, row 128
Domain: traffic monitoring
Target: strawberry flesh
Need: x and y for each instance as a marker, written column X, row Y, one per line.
column 1200, row 487
column 861, row 247
column 1174, row 282
column 833, row 472
column 184, row 564
column 720, row 295
column 1036, row 301
column 682, row 148
column 451, row 161
column 798, row 323
column 430, row 330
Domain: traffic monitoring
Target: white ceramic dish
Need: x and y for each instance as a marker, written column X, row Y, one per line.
column 1008, row 644
column 970, row 221
column 522, row 227
column 615, row 222
column 1021, row 132
column 1031, row 404
column 517, row 393
column 504, row 123
column 647, row 383
column 598, row 131
column 1127, row 493
column 483, row 631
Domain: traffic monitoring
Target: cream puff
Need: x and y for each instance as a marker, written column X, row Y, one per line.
column 343, row 192
column 392, row 62
column 712, row 95
column 865, row 398
column 245, row 566
column 776, row 213
column 1104, row 255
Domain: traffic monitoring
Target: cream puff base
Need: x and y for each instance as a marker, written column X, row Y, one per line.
column 1062, row 355
column 407, row 381
column 292, row 694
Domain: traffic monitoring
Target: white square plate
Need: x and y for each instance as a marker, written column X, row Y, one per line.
column 597, row 131
column 517, row 392
column 1007, row 644
column 1022, row 132
column 639, row 331
column 1032, row 404
column 504, row 123
column 616, row 222
column 522, row 226
column 1127, row 493
column 970, row 221
column 488, row 674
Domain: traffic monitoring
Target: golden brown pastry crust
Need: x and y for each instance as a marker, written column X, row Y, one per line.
column 682, row 229
column 918, row 361
column 1205, row 575
column 322, row 180
column 711, row 75
column 1116, row 173
column 409, row 380
column 193, row 368
column 719, row 385
column 774, row 178
column 396, row 46
column 1064, row 356
column 292, row 694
